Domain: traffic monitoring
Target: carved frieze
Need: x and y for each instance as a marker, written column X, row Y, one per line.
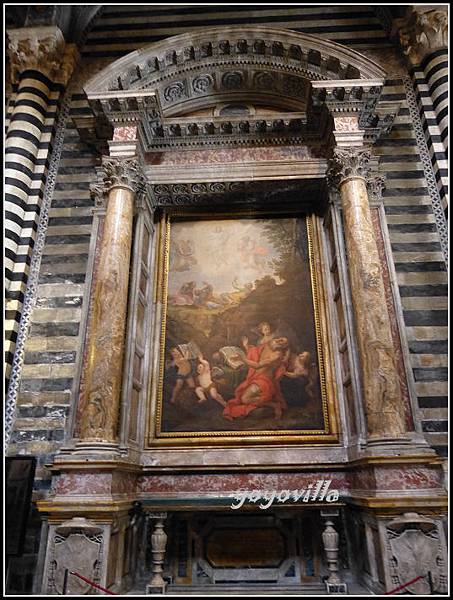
column 41, row 49
column 278, row 129
column 255, row 193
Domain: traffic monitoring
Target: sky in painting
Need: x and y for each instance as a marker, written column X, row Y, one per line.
column 219, row 252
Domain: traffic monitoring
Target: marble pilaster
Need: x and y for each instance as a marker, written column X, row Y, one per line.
column 383, row 400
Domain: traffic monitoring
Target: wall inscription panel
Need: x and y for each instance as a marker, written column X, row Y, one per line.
column 241, row 349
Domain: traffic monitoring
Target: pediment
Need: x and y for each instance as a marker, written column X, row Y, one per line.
column 253, row 64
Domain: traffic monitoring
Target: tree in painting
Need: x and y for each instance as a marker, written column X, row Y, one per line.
column 240, row 344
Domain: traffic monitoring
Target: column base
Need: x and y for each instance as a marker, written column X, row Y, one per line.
column 336, row 588
column 152, row 588
column 96, row 448
column 409, row 444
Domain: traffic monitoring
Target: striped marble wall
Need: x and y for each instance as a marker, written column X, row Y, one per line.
column 123, row 28
column 53, row 347
column 53, row 342
column 419, row 265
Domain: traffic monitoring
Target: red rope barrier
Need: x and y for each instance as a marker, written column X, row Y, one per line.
column 92, row 583
column 401, row 587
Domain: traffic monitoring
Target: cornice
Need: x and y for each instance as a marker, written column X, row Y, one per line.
column 266, row 44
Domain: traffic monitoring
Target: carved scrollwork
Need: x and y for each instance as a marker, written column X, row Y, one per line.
column 200, row 188
column 217, row 188
column 162, row 189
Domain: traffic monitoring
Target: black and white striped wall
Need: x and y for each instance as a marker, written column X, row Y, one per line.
column 431, row 84
column 31, row 116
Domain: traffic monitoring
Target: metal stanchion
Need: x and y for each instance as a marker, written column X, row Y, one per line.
column 65, row 582
column 430, row 582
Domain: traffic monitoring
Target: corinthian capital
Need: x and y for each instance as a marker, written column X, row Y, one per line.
column 117, row 172
column 348, row 163
column 42, row 49
column 423, row 31
column 376, row 187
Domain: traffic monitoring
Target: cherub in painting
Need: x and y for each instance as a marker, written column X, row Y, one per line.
column 206, row 387
column 184, row 376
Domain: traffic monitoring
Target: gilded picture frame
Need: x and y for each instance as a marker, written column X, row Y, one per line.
column 252, row 417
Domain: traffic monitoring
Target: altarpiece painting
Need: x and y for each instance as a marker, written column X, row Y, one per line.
column 241, row 349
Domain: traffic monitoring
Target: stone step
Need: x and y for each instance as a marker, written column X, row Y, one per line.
column 248, row 589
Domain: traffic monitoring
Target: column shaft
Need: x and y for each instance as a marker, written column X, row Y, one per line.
column 100, row 397
column 21, row 153
column 383, row 400
column 435, row 67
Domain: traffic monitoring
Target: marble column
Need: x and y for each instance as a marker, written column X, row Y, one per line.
column 101, row 391
column 383, row 400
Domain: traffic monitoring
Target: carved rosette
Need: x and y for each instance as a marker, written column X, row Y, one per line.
column 423, row 31
column 41, row 49
column 347, row 164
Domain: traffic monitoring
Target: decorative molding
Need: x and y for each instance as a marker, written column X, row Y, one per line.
column 42, row 49
column 244, row 193
column 359, row 99
column 423, row 31
column 232, row 50
column 274, row 130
